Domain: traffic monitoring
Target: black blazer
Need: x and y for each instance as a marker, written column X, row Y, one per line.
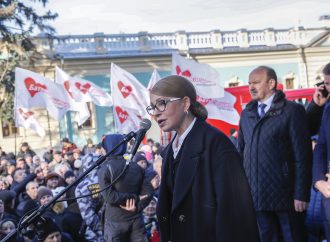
column 211, row 198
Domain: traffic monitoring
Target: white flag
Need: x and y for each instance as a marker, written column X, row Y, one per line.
column 82, row 90
column 203, row 76
column 34, row 90
column 126, row 119
column 81, row 109
column 130, row 99
column 155, row 77
column 25, row 118
column 221, row 108
column 128, row 92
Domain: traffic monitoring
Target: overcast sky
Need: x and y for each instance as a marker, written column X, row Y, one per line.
column 131, row 16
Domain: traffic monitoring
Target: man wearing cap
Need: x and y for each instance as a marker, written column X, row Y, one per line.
column 57, row 160
column 141, row 160
column 44, row 196
column 67, row 146
column 49, row 231
column 52, row 180
column 69, row 158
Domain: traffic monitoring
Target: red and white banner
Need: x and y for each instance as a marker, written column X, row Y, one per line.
column 24, row 118
column 219, row 103
column 221, row 108
column 155, row 77
column 34, row 90
column 81, row 109
column 126, row 119
column 128, row 92
column 203, row 76
column 82, row 90
column 130, row 99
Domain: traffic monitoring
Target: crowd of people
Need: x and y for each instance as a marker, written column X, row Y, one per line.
column 204, row 186
column 28, row 181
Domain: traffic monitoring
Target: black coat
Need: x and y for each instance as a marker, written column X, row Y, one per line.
column 322, row 148
column 314, row 115
column 211, row 199
column 277, row 154
column 130, row 185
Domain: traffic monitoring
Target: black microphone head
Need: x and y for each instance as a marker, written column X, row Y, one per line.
column 145, row 124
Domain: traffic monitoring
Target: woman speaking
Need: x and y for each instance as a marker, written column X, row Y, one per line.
column 204, row 194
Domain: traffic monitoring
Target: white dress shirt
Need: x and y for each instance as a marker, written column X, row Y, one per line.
column 268, row 103
column 178, row 141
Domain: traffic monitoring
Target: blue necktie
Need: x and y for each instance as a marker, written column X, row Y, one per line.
column 262, row 107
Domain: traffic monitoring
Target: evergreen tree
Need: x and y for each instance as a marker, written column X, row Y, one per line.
column 18, row 21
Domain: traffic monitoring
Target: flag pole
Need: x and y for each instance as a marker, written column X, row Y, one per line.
column 50, row 132
column 15, row 141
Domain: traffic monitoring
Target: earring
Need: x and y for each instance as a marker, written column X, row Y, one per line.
column 186, row 112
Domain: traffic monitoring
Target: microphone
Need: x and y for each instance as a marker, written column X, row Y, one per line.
column 145, row 125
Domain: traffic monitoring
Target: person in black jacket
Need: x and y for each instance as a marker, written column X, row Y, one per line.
column 124, row 199
column 322, row 157
column 276, row 149
column 204, row 194
column 320, row 97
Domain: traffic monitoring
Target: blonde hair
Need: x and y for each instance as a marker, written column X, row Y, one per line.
column 178, row 86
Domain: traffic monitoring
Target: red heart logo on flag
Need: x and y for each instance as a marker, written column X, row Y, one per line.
column 33, row 87
column 125, row 90
column 122, row 114
column 25, row 115
column 83, row 88
column 186, row 73
column 203, row 101
column 67, row 88
column 178, row 70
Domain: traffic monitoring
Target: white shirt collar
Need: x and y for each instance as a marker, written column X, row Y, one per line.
column 268, row 102
column 178, row 141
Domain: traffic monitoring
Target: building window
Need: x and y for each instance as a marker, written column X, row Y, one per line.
column 90, row 122
column 9, row 129
column 233, row 84
column 289, row 83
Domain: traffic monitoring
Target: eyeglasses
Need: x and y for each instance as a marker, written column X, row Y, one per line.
column 160, row 105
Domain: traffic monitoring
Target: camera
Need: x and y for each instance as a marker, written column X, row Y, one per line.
column 324, row 91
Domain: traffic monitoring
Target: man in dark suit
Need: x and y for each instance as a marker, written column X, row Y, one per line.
column 320, row 98
column 274, row 142
column 322, row 157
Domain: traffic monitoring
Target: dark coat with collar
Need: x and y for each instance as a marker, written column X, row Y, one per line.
column 211, row 199
column 277, row 154
column 322, row 149
column 314, row 115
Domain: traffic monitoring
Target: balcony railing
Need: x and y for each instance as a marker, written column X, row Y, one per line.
column 100, row 43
